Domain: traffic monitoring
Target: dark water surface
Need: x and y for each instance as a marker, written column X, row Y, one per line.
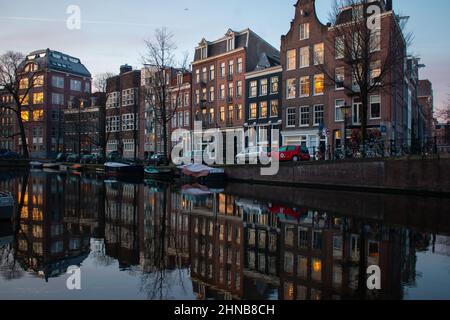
column 159, row 241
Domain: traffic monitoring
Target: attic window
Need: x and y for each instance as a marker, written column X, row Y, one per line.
column 204, row 52
column 230, row 41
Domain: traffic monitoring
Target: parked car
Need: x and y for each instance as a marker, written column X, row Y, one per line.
column 72, row 158
column 3, row 151
column 10, row 155
column 251, row 154
column 291, row 153
column 157, row 159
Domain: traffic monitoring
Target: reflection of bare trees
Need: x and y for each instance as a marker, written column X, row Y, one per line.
column 9, row 269
column 162, row 270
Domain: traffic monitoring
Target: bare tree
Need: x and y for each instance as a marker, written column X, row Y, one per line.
column 18, row 86
column 159, row 91
column 443, row 114
column 370, row 55
column 100, row 81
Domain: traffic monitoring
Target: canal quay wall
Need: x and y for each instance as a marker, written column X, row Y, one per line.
column 406, row 175
column 417, row 212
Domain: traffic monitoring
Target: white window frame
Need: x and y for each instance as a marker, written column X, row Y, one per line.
column 305, row 57
column 288, row 110
column 304, row 31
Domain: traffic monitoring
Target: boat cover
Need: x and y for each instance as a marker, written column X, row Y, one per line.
column 199, row 170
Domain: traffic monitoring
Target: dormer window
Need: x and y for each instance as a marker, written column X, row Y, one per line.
column 230, row 40
column 203, row 49
column 31, row 67
column 179, row 78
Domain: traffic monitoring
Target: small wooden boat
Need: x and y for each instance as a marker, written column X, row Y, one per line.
column 6, row 205
column 36, row 165
column 159, row 173
column 123, row 168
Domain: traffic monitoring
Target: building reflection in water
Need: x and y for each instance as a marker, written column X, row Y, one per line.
column 216, row 245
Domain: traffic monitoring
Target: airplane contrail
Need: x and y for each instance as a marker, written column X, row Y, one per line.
column 118, row 23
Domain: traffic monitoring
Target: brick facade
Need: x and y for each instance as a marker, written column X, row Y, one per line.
column 310, row 115
column 122, row 113
column 62, row 80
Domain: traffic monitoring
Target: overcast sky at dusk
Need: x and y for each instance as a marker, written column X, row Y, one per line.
column 113, row 31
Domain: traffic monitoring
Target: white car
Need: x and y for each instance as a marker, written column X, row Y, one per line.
column 252, row 155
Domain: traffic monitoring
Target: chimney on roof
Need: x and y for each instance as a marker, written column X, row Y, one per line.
column 125, row 68
column 389, row 5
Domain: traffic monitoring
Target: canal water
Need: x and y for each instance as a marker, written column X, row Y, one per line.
column 148, row 240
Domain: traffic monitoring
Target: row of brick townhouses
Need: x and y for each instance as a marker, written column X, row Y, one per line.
column 313, row 106
column 219, row 77
column 241, row 81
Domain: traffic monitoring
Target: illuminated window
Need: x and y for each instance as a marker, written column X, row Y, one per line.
column 304, row 86
column 304, row 57
column 38, row 81
column 319, row 84
column 263, row 87
column 319, row 54
column 25, row 115
column 253, row 89
column 23, row 83
column 37, row 231
column 239, row 112
column 31, row 67
column 38, row 98
column 263, row 109
column 291, row 59
column 291, row 91
column 316, row 269
column 38, row 115
column 24, row 100
column 274, row 108
column 222, row 114
column 37, row 215
column 253, row 111
column 230, row 113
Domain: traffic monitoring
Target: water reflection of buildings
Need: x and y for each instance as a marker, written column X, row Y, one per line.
column 122, row 222
column 233, row 247
column 326, row 257
column 48, row 241
column 217, row 248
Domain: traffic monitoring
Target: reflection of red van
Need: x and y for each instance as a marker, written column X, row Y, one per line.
column 292, row 153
